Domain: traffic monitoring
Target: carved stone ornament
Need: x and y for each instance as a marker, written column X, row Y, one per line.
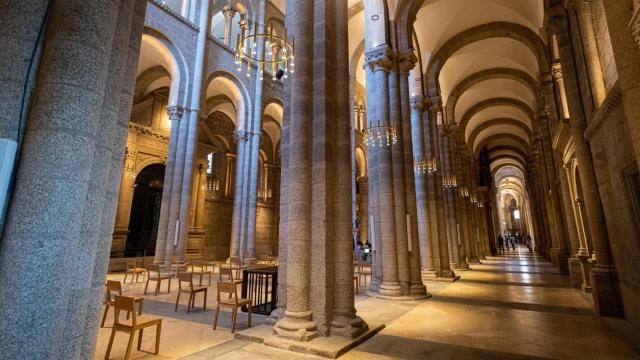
column 175, row 112
column 380, row 58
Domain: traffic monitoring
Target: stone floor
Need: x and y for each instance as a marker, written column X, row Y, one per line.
column 516, row 306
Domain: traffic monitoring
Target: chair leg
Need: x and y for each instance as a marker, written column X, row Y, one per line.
column 113, row 335
column 157, row 286
column 204, row 304
column 190, row 302
column 127, row 355
column 158, row 331
column 177, row 301
column 200, row 283
column 169, row 286
column 215, row 319
column 140, row 338
column 125, row 277
column 104, row 315
column 249, row 313
column 234, row 315
column 145, row 287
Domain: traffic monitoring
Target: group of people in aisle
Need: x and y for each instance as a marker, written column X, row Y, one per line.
column 510, row 239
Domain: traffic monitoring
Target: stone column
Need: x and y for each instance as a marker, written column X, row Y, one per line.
column 185, row 167
column 228, row 13
column 248, row 166
column 604, row 289
column 444, row 269
column 127, row 184
column 590, row 49
column 380, row 61
column 574, row 264
column 458, row 253
column 54, row 193
column 318, row 180
column 364, row 209
column 175, row 116
column 22, row 23
column 398, row 178
column 228, row 174
column 406, row 62
column 417, row 127
column 201, row 196
column 462, row 218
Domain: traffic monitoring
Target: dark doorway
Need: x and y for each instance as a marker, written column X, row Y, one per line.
column 145, row 212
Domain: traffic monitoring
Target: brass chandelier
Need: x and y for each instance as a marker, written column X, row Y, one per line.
column 425, row 166
column 450, row 182
column 380, row 135
column 276, row 51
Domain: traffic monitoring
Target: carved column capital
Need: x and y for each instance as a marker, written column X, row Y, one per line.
column 418, row 103
column 241, row 136
column 407, row 60
column 175, row 112
column 380, row 58
column 228, row 12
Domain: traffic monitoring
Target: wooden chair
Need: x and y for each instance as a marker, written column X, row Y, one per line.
column 137, row 322
column 114, row 288
column 211, row 262
column 134, row 270
column 185, row 286
column 154, row 274
column 364, row 269
column 198, row 268
column 234, row 302
column 228, row 273
column 356, row 283
column 179, row 265
column 235, row 263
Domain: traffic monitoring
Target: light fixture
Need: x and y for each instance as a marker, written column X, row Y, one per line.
column 425, row 166
column 463, row 191
column 381, row 135
column 450, row 182
column 276, row 52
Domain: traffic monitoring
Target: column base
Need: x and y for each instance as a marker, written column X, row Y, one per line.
column 390, row 289
column 560, row 259
column 606, row 291
column 429, row 274
column 585, row 265
column 348, row 325
column 575, row 272
column 464, row 266
column 408, row 297
column 474, row 260
column 418, row 289
column 447, row 275
column 297, row 326
column 275, row 316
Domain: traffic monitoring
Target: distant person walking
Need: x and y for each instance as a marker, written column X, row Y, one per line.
column 500, row 243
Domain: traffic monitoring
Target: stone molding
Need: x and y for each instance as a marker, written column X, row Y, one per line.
column 148, row 132
column 417, row 103
column 407, row 60
column 173, row 13
column 613, row 100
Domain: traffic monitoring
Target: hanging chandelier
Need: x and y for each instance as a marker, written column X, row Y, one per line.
column 425, row 166
column 450, row 182
column 380, row 135
column 473, row 199
column 463, row 191
column 277, row 52
column 480, row 204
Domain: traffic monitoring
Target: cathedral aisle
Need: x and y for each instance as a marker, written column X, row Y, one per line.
column 514, row 306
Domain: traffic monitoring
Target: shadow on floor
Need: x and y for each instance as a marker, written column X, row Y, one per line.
column 555, row 309
column 404, row 348
column 510, row 283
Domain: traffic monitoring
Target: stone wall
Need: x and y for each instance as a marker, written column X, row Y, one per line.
column 217, row 227
column 612, row 165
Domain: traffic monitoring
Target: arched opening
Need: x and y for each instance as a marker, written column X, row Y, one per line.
column 145, row 211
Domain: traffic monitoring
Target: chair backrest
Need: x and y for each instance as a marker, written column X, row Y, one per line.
column 197, row 263
column 124, row 303
column 154, row 268
column 227, row 287
column 113, row 286
column 225, row 271
column 250, row 261
column 131, row 263
column 186, row 278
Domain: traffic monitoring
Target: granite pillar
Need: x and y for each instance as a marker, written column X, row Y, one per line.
column 53, row 182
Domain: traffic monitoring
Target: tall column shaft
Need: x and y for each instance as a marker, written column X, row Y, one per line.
column 53, row 181
column 590, row 48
